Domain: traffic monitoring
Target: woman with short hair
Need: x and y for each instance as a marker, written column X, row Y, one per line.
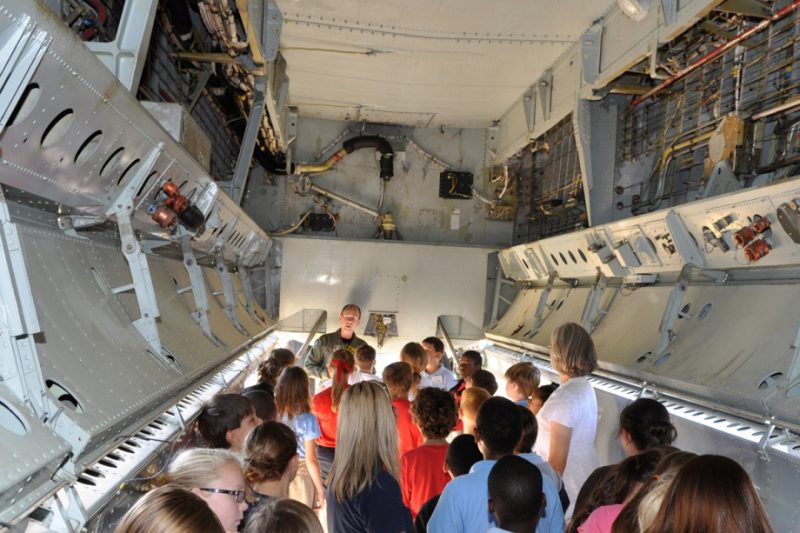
column 568, row 420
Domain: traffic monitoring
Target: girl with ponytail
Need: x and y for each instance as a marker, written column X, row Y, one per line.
column 325, row 406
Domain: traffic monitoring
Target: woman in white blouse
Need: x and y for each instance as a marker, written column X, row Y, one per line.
column 568, row 419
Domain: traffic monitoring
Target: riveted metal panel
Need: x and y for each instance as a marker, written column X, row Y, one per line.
column 31, row 453
column 89, row 346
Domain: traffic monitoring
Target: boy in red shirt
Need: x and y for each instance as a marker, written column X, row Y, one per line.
column 398, row 378
column 423, row 473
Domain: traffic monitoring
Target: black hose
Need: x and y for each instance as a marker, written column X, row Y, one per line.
column 274, row 164
column 181, row 21
column 378, row 143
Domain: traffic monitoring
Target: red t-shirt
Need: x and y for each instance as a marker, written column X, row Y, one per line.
column 321, row 406
column 408, row 433
column 422, row 475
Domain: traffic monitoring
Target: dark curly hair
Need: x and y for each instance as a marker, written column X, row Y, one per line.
column 500, row 425
column 647, row 422
column 434, row 411
column 267, row 452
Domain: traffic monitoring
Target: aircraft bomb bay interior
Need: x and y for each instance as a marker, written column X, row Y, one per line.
column 189, row 184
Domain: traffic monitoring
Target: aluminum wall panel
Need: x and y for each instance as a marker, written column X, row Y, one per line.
column 738, row 351
column 31, row 453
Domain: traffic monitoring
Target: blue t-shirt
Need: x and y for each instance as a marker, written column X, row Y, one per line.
column 377, row 509
column 306, row 427
column 464, row 505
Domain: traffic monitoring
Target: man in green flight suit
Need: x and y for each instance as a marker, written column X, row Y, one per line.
column 319, row 358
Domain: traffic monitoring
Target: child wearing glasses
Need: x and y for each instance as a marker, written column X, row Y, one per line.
column 216, row 476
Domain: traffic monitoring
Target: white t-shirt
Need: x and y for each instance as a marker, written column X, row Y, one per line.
column 441, row 379
column 573, row 405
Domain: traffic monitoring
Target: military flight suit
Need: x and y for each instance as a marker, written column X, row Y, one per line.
column 319, row 357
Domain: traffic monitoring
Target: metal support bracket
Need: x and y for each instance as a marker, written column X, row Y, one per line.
column 684, row 242
column 591, row 310
column 122, row 209
column 125, row 56
column 249, row 293
column 228, row 293
column 669, row 10
column 672, row 312
column 237, row 186
column 273, row 23
column 538, row 317
column 544, row 88
column 529, row 105
column 302, row 353
column 69, row 518
column 198, row 288
column 764, row 443
column 492, row 140
column 22, row 47
column 794, row 365
column 19, row 360
column 591, row 42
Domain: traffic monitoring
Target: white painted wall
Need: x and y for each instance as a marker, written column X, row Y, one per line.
column 418, row 281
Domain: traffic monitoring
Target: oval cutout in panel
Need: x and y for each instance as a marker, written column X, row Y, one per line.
column 583, row 256
column 112, row 162
column 704, row 312
column 770, row 381
column 11, row 421
column 572, row 257
column 26, row 104
column 644, row 357
column 553, row 257
column 89, row 146
column 563, row 258
column 57, row 128
column 146, row 182
column 66, row 398
column 127, row 170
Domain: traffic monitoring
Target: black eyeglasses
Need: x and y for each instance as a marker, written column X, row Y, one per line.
column 238, row 494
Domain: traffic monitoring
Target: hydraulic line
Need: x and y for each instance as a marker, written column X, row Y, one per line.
column 717, row 52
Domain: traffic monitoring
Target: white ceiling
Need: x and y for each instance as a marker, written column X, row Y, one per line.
column 457, row 63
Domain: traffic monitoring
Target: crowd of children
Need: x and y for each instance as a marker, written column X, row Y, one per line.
column 415, row 449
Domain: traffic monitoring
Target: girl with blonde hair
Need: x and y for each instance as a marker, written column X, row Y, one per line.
column 364, row 489
column 568, row 420
column 216, row 476
column 294, row 409
column 325, row 406
column 169, row 509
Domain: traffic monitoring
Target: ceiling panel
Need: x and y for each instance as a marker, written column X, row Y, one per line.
column 448, row 62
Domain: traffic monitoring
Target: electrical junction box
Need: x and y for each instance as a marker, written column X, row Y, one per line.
column 455, row 185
